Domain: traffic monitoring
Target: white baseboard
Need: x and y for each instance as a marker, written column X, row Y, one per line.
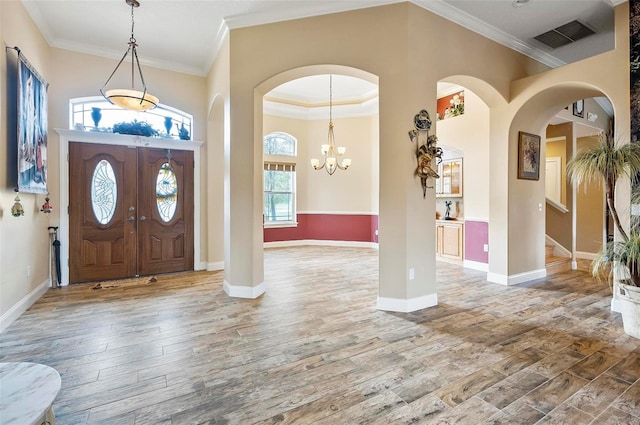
column 243, row 291
column 200, row 266
column 407, row 306
column 215, row 266
column 615, row 305
column 585, row 255
column 319, row 242
column 23, row 305
column 515, row 279
column 558, row 250
column 476, row 265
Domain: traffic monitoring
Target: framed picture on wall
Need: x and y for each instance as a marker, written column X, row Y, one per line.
column 528, row 156
column 578, row 108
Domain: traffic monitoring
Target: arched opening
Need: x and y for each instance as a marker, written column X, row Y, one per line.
column 214, row 186
column 566, row 117
column 330, row 210
column 463, row 130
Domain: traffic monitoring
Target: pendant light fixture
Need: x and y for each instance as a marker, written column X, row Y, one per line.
column 331, row 155
column 131, row 99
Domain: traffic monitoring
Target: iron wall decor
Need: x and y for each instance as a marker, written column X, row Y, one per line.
column 426, row 149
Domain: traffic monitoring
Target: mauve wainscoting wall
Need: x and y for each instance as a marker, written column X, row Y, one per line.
column 476, row 236
column 327, row 227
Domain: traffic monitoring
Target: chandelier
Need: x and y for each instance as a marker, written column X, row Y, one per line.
column 131, row 99
column 330, row 154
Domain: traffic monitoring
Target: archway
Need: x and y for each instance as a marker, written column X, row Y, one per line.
column 314, row 207
column 526, row 218
column 215, row 172
column 469, row 134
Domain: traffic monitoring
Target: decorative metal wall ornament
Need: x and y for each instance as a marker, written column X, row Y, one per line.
column 426, row 149
column 17, row 210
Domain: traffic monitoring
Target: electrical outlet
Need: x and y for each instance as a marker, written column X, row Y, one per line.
column 412, row 274
column 485, row 247
column 28, row 272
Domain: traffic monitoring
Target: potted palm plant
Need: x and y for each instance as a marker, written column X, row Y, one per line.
column 618, row 260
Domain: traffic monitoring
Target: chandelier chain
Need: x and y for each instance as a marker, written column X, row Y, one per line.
column 330, row 98
column 132, row 39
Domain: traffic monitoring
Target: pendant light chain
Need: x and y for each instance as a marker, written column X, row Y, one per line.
column 132, row 39
column 332, row 156
column 330, row 99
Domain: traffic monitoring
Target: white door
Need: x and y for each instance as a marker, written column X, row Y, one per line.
column 553, row 177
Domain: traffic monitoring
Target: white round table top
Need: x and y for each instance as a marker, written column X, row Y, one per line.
column 27, row 390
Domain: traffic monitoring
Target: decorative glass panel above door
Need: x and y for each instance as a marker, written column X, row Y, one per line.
column 104, row 192
column 166, row 192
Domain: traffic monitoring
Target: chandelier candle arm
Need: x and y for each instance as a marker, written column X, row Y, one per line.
column 330, row 153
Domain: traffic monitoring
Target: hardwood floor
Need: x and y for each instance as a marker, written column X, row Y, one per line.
column 314, row 349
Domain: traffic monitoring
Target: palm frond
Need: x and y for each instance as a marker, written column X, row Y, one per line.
column 606, row 161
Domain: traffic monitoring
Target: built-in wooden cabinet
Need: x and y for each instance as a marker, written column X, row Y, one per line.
column 450, row 182
column 450, row 240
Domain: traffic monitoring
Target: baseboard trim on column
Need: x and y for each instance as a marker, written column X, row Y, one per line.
column 515, row 279
column 238, row 291
column 407, row 305
column 615, row 305
column 215, row 266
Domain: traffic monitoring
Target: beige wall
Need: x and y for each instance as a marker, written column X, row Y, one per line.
column 403, row 63
column 558, row 224
column 343, row 192
column 216, row 157
column 69, row 75
column 24, row 241
column 469, row 133
column 589, row 210
column 534, row 100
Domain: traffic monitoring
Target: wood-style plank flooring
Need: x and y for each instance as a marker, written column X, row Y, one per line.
column 314, row 349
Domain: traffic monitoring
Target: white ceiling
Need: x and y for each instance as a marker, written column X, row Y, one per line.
column 184, row 35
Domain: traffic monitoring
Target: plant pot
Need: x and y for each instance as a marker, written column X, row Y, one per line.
column 630, row 308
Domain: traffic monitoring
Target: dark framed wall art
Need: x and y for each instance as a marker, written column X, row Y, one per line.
column 528, row 156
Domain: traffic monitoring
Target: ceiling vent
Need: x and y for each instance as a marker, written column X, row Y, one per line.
column 564, row 34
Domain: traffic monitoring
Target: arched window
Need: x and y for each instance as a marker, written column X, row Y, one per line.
column 167, row 121
column 278, row 143
column 279, row 179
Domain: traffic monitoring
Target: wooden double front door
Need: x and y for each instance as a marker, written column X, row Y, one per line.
column 130, row 211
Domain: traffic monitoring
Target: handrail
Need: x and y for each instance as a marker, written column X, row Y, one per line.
column 557, row 206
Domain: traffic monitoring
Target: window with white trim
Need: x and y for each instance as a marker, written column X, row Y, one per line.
column 81, row 109
column 279, row 179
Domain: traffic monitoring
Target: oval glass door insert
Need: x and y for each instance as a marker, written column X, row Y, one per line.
column 104, row 192
column 166, row 192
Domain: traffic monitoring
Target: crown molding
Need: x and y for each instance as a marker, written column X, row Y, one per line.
column 441, row 8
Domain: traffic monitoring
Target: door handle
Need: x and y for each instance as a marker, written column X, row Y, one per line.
column 131, row 218
column 143, row 218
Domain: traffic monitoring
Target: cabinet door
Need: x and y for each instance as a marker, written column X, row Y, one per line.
column 455, row 182
column 452, row 241
column 450, row 182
